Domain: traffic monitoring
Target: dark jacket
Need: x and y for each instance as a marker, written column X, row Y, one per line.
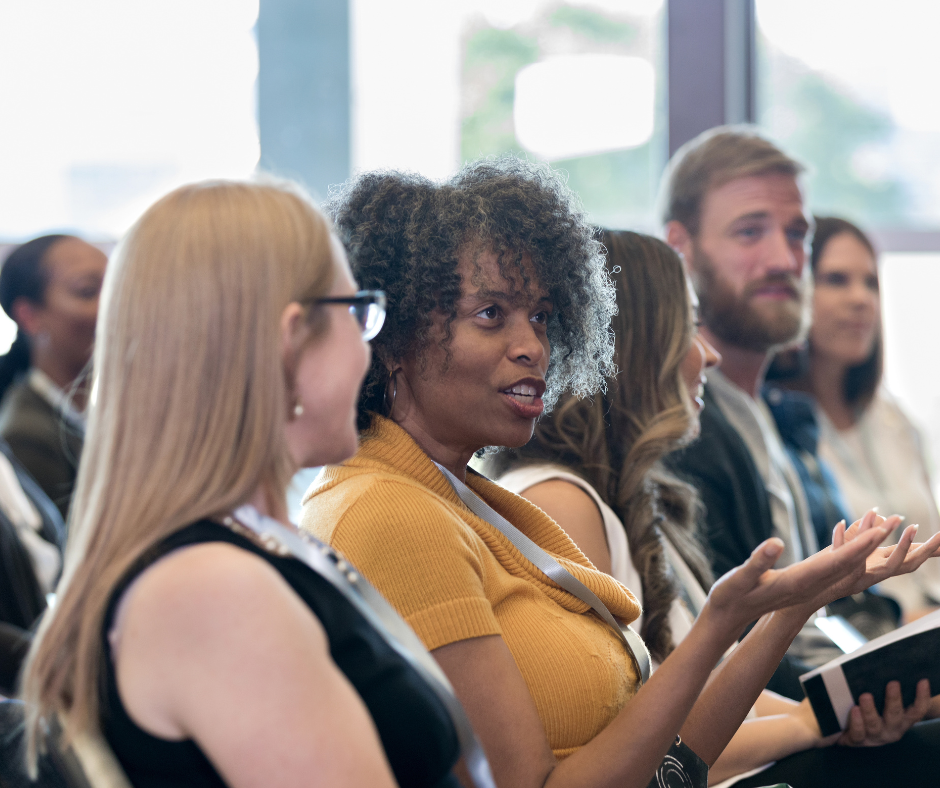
column 737, row 509
column 21, row 598
column 47, row 446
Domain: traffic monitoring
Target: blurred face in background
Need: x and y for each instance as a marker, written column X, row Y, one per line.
column 748, row 258
column 64, row 324
column 846, row 302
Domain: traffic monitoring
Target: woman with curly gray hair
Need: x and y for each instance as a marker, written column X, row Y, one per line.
column 498, row 302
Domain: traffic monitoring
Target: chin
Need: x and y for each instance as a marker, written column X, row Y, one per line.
column 515, row 438
column 332, row 452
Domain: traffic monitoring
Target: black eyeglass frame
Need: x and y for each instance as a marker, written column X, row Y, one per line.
column 363, row 299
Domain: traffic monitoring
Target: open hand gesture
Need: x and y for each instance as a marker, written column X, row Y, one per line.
column 754, row 588
column 889, row 560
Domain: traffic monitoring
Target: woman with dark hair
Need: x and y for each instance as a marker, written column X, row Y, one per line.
column 499, row 302
column 614, row 442
column 594, row 465
column 866, row 440
column 49, row 287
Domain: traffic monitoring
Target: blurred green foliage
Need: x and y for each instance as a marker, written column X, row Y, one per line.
column 832, row 131
column 617, row 188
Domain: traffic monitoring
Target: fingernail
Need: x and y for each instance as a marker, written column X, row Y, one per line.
column 874, row 509
column 771, row 550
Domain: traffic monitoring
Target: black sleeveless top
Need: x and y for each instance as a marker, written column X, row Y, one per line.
column 416, row 731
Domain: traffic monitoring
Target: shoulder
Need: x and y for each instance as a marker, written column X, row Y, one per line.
column 211, row 581
column 374, row 505
column 564, row 499
column 395, row 530
column 885, row 409
column 23, row 411
column 716, row 452
column 217, row 599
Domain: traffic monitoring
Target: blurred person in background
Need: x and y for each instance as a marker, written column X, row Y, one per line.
column 871, row 446
column 594, row 466
column 499, row 302
column 32, row 538
column 49, row 287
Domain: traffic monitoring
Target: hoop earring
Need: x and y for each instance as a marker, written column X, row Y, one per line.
column 387, row 405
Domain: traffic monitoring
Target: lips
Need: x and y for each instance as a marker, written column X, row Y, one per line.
column 525, row 397
column 782, row 287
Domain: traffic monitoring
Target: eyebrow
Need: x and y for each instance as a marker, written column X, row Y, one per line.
column 798, row 221
column 748, row 217
column 499, row 295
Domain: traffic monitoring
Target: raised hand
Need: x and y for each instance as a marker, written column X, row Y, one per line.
column 889, row 560
column 754, row 588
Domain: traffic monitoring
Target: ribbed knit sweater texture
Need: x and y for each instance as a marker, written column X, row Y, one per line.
column 453, row 576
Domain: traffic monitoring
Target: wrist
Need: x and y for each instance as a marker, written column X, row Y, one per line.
column 723, row 623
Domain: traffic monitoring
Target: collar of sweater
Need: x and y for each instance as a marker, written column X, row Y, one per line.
column 387, row 449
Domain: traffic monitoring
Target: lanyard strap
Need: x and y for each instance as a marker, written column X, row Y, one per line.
column 327, row 563
column 633, row 643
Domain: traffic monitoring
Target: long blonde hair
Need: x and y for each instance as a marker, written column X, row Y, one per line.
column 191, row 396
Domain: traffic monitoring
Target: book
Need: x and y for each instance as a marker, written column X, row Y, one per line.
column 908, row 654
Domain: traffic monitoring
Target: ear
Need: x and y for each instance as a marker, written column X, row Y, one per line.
column 293, row 332
column 680, row 239
column 28, row 316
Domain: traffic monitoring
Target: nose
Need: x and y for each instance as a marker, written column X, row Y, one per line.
column 861, row 295
column 527, row 345
column 785, row 254
column 712, row 357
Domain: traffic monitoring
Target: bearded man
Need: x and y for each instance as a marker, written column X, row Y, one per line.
column 734, row 210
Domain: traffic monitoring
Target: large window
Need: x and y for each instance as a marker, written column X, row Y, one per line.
column 108, row 104
column 577, row 84
column 848, row 85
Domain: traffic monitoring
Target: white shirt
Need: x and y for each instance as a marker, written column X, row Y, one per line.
column 879, row 461
column 621, row 562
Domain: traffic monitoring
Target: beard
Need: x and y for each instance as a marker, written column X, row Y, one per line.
column 736, row 320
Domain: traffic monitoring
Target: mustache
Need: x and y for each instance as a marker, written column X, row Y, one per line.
column 781, row 279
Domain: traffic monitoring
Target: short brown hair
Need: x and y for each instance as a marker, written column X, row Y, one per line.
column 712, row 159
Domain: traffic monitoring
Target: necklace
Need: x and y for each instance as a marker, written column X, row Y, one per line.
column 277, row 538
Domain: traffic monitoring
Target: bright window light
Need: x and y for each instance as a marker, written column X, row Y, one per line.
column 579, row 105
column 108, row 104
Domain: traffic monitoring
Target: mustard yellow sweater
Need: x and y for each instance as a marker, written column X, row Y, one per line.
column 453, row 576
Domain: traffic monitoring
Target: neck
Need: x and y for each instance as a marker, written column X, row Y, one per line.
column 745, row 368
column 827, row 379
column 406, row 414
column 63, row 375
column 453, row 458
column 270, row 506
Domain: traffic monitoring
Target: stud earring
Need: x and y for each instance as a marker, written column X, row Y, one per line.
column 298, row 410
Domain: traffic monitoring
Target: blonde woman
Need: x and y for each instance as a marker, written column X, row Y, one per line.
column 229, row 354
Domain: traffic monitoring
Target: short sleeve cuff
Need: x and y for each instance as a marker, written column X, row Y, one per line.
column 453, row 621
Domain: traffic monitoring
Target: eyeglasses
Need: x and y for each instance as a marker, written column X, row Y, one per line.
column 369, row 308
